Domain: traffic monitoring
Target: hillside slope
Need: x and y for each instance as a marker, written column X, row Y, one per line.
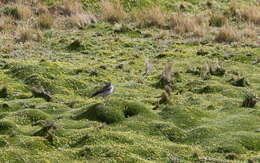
column 47, row 115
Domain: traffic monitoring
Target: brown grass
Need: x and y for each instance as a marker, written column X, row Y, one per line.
column 152, row 16
column 45, row 21
column 183, row 24
column 112, row 12
column 23, row 11
column 7, row 23
column 249, row 32
column 41, row 9
column 6, row 1
column 24, row 34
column 82, row 19
column 72, row 7
column 217, row 20
column 251, row 14
column 227, row 34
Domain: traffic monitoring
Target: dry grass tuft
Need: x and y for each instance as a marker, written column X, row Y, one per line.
column 217, row 20
column 41, row 9
column 251, row 14
column 249, row 32
column 23, row 11
column 45, row 21
column 7, row 23
column 112, row 12
column 7, row 1
column 227, row 34
column 147, row 17
column 24, row 34
column 72, row 7
column 82, row 19
column 184, row 24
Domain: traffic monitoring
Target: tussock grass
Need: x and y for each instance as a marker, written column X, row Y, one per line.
column 24, row 34
column 45, row 21
column 41, row 9
column 217, row 20
column 82, row 19
column 112, row 12
column 183, row 24
column 249, row 32
column 146, row 17
column 228, row 34
column 72, row 7
column 7, row 23
column 251, row 14
column 23, row 11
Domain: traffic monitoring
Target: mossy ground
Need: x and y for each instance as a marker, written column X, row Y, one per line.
column 204, row 119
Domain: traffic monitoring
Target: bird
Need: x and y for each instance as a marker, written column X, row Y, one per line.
column 105, row 91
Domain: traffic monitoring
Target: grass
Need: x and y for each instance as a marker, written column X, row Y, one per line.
column 45, row 21
column 228, row 34
column 195, row 99
column 112, row 12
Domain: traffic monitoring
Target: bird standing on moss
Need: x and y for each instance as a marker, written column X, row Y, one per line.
column 105, row 91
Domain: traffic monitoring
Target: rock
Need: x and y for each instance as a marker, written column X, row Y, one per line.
column 3, row 92
column 41, row 93
column 202, row 52
column 250, row 161
column 249, row 101
column 231, row 156
column 240, row 82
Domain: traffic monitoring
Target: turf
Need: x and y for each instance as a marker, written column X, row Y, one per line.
column 203, row 119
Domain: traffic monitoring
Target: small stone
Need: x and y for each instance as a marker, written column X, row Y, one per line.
column 250, row 161
column 202, row 52
column 231, row 156
column 41, row 93
column 3, row 92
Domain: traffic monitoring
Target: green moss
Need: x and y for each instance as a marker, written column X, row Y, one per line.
column 201, row 119
column 233, row 147
column 134, row 108
column 182, row 116
column 103, row 113
column 3, row 142
column 172, row 132
column 210, row 89
column 201, row 133
column 29, row 116
column 6, row 127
